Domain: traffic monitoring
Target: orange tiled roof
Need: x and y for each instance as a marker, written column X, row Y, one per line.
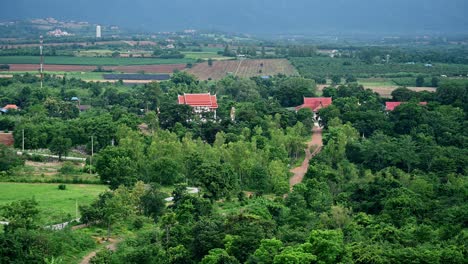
column 315, row 103
column 390, row 106
column 200, row 100
column 11, row 106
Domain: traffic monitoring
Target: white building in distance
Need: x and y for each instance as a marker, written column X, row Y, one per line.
column 98, row 31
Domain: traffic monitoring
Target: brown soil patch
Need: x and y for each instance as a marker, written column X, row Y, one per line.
column 7, row 139
column 386, row 91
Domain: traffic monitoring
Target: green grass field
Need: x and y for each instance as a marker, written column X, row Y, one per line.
column 62, row 60
column 54, row 204
column 205, row 56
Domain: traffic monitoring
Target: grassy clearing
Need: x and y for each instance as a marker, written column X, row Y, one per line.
column 93, row 61
column 55, row 205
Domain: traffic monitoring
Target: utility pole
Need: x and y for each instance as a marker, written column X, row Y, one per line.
column 92, row 154
column 23, row 143
column 41, row 41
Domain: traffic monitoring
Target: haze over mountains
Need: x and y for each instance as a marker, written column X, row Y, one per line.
column 257, row 16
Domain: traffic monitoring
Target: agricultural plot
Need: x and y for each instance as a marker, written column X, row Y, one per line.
column 324, row 66
column 91, row 61
column 167, row 68
column 55, row 205
column 242, row 68
column 383, row 91
column 152, row 77
column 205, row 56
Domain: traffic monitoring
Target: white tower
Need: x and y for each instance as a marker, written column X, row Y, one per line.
column 98, row 31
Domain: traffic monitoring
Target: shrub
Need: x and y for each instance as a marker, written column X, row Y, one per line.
column 67, row 168
column 62, row 187
column 36, row 158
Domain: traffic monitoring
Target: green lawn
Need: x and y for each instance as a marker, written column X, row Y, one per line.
column 54, row 204
column 105, row 61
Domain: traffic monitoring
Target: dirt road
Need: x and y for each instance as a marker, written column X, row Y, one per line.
column 112, row 247
column 316, row 145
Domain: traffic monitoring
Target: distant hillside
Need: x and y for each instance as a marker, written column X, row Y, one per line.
column 50, row 27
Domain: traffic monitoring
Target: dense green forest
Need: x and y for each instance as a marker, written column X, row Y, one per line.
column 388, row 187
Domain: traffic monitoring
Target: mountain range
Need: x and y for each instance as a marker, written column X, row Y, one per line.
column 256, row 16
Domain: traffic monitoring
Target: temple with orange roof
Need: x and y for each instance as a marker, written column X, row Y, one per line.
column 201, row 103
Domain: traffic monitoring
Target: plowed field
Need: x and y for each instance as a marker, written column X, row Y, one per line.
column 242, row 68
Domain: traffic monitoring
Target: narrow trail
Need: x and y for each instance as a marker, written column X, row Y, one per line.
column 112, row 247
column 238, row 67
column 315, row 143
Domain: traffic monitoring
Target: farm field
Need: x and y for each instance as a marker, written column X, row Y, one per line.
column 205, row 56
column 54, row 204
column 324, row 66
column 90, row 61
column 382, row 90
column 163, row 68
column 243, row 68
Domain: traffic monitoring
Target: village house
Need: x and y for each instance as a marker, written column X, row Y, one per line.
column 8, row 107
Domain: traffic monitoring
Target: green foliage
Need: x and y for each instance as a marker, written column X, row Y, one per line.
column 9, row 159
column 218, row 256
column 22, row 214
column 291, row 91
column 67, row 168
column 115, row 166
column 102, row 257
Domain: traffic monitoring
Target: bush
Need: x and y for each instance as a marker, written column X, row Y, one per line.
column 67, row 168
column 62, row 187
column 36, row 158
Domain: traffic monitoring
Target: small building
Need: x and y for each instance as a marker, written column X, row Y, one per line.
column 201, row 103
column 315, row 103
column 98, row 31
column 390, row 106
column 9, row 107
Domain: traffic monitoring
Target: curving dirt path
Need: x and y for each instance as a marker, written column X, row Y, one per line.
column 316, row 144
column 112, row 247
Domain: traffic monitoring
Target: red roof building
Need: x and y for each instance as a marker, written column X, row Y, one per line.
column 205, row 101
column 315, row 103
column 390, row 106
column 10, row 107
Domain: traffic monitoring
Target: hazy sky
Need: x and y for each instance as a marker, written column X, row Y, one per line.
column 255, row 16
